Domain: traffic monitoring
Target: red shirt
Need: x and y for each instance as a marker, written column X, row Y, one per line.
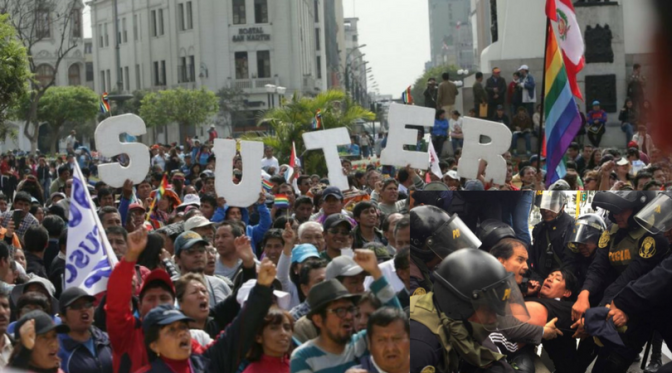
column 269, row 364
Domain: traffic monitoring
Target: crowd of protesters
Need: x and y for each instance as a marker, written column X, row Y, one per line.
column 318, row 284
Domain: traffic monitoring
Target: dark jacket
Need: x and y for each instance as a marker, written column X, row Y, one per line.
column 430, row 97
column 199, row 364
column 480, row 96
column 359, row 239
column 558, row 231
column 35, row 264
column 76, row 358
column 367, row 365
column 56, row 271
column 500, row 84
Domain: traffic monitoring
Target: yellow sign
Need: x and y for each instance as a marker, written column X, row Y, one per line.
column 419, row 291
column 428, row 369
column 604, row 240
column 648, row 248
column 507, row 294
column 456, row 233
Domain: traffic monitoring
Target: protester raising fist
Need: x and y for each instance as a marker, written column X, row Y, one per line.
column 267, row 272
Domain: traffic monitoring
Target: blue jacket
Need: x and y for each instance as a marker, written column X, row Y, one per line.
column 440, row 128
column 76, row 358
column 256, row 232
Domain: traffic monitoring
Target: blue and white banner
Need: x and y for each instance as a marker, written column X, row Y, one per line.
column 89, row 256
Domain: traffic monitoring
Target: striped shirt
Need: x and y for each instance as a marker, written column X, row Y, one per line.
column 309, row 357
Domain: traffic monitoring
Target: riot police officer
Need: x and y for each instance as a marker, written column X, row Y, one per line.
column 491, row 231
column 550, row 236
column 582, row 244
column 434, row 235
column 625, row 253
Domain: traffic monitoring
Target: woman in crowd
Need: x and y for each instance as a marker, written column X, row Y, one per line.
column 643, row 139
column 38, row 212
column 629, row 118
column 594, row 161
column 37, row 344
column 193, row 299
column 273, row 344
column 164, row 210
column 387, row 195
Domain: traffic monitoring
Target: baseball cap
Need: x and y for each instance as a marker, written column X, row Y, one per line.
column 207, row 174
column 336, row 219
column 332, row 191
column 158, row 275
column 523, row 67
column 622, row 162
column 71, row 295
column 43, row 324
column 244, row 292
column 196, row 222
column 452, row 174
column 342, row 266
column 164, row 314
column 134, row 206
column 632, row 144
column 304, row 251
column 188, row 239
column 57, row 194
column 190, row 199
column 500, row 107
column 596, row 103
column 322, row 294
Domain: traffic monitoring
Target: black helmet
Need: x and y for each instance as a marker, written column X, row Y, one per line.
column 588, row 228
column 492, row 231
column 656, row 217
column 617, row 201
column 435, row 233
column 472, row 279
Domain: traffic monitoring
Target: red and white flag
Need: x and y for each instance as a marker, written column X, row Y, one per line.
column 571, row 39
column 434, row 161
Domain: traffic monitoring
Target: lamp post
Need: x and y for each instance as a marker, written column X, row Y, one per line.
column 347, row 66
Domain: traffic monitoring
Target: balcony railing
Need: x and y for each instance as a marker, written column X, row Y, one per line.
column 255, row 85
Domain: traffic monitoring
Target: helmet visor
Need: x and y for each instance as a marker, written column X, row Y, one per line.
column 656, row 217
column 552, row 201
column 585, row 231
column 500, row 306
column 452, row 236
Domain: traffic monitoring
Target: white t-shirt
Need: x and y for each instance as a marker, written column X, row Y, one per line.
column 159, row 160
column 273, row 162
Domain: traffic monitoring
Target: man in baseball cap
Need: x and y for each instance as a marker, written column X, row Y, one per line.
column 202, row 226
column 347, row 272
column 337, row 228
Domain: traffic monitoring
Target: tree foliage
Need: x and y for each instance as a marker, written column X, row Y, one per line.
column 74, row 106
column 231, row 102
column 14, row 72
column 182, row 106
column 435, row 72
column 289, row 122
column 131, row 105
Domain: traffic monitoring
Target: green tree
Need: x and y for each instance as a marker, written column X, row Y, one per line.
column 420, row 84
column 14, row 73
column 74, row 106
column 290, row 121
column 187, row 108
column 231, row 103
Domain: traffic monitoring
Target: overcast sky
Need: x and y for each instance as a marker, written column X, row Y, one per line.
column 396, row 33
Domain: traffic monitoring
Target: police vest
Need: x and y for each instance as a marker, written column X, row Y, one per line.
column 621, row 254
column 454, row 336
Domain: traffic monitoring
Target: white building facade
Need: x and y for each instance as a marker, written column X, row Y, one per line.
column 211, row 44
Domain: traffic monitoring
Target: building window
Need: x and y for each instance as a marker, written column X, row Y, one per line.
column 354, row 38
column 76, row 17
column 319, row 67
column 88, row 48
column 239, row 12
column 182, row 73
column 157, row 73
column 74, row 77
column 135, row 27
column 192, row 69
column 264, row 64
column 161, row 22
column 260, row 11
column 317, row 11
column 242, row 71
column 154, row 25
column 128, row 79
column 89, row 72
column 107, row 37
column 138, row 81
column 163, row 72
column 124, row 33
column 101, row 35
column 120, row 79
column 109, row 80
column 44, row 74
column 180, row 16
column 317, row 39
column 42, row 26
column 102, row 81
column 190, row 16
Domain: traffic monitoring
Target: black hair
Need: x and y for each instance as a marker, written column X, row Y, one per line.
column 303, row 200
column 4, row 197
column 386, row 223
column 116, row 230
column 360, row 207
column 404, row 222
column 445, row 76
column 236, row 229
column 385, row 316
column 571, row 282
column 36, row 239
column 156, row 284
column 4, row 251
column 402, row 258
column 271, row 234
column 157, row 176
column 524, row 169
column 282, row 221
column 633, row 152
column 58, row 211
column 34, row 298
column 304, row 276
column 504, row 248
column 574, row 146
column 210, row 199
column 653, row 183
column 301, row 178
column 103, row 192
column 278, row 180
column 54, row 225
column 22, row 196
column 479, row 75
column 642, row 175
column 275, row 316
column 403, row 175
column 438, row 114
column 63, row 169
column 150, row 256
column 107, row 210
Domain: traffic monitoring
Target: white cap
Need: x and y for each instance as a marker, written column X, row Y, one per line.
column 622, row 162
column 244, row 292
column 191, row 199
column 524, row 67
column 452, row 174
column 196, row 222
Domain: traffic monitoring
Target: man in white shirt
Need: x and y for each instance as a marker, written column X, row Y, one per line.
column 269, row 161
column 160, row 159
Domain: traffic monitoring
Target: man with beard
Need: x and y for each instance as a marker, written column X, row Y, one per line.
column 550, row 236
column 190, row 257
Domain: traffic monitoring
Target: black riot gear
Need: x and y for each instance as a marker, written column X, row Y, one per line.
column 491, row 231
column 435, row 233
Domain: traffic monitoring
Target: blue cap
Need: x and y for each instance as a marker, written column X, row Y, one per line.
column 303, row 252
column 164, row 314
column 332, row 191
column 596, row 103
column 186, row 240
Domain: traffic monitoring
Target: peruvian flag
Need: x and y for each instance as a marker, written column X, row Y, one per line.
column 571, row 39
column 434, row 162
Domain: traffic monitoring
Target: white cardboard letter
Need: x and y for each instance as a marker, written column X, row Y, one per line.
column 328, row 140
column 400, row 116
column 473, row 150
column 108, row 144
column 246, row 193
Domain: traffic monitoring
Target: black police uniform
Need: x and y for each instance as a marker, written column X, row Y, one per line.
column 543, row 258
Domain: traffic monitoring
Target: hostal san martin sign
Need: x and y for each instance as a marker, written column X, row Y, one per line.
column 251, row 34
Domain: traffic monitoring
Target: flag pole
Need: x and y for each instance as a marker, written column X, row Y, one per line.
column 543, row 98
